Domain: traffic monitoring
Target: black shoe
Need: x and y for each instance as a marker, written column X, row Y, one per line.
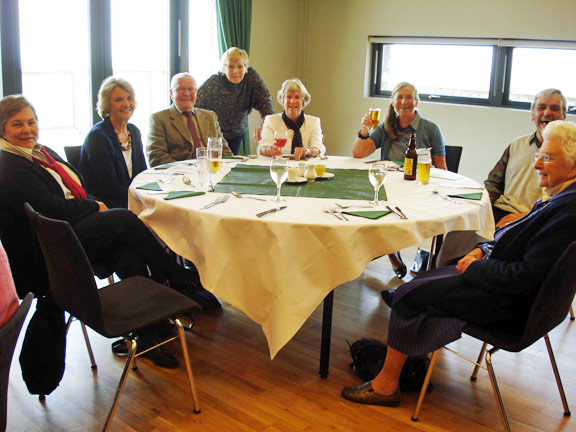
column 388, row 296
column 162, row 358
column 402, row 270
column 119, row 347
column 204, row 298
column 420, row 261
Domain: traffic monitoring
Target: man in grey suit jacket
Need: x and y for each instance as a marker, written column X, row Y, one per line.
column 169, row 138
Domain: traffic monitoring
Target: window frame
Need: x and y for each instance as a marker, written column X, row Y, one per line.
column 500, row 70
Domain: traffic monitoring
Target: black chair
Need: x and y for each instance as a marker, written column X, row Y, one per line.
column 119, row 309
column 9, row 333
column 453, row 155
column 549, row 309
column 73, row 155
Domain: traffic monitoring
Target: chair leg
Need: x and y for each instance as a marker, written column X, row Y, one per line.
column 557, row 376
column 132, row 347
column 424, row 386
column 88, row 346
column 496, row 389
column 478, row 362
column 182, row 338
column 572, row 313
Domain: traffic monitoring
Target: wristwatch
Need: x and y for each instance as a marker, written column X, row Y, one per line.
column 362, row 136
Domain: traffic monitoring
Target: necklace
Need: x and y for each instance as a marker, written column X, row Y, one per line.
column 125, row 145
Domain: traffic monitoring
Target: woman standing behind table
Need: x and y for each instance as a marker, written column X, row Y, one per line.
column 393, row 136
column 232, row 93
column 112, row 152
column 304, row 131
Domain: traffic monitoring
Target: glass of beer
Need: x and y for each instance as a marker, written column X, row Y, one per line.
column 375, row 117
column 424, row 164
column 215, row 154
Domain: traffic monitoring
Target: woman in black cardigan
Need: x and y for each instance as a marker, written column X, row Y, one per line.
column 493, row 285
column 115, row 241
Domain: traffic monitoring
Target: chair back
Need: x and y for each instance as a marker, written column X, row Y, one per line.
column 72, row 283
column 554, row 298
column 9, row 333
column 453, row 155
column 73, row 155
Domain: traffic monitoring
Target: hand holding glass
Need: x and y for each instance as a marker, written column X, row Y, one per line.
column 279, row 172
column 375, row 117
column 377, row 176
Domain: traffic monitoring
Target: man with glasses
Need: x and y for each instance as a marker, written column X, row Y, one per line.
column 512, row 185
column 177, row 132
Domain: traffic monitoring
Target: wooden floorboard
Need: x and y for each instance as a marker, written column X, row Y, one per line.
column 241, row 389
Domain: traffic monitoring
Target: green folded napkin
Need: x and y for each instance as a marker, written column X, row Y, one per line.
column 377, row 214
column 233, row 157
column 470, row 196
column 182, row 194
column 154, row 186
column 161, row 167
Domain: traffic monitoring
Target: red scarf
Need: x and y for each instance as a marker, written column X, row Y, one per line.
column 77, row 190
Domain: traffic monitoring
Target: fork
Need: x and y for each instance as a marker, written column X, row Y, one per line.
column 349, row 206
column 167, row 180
column 221, row 199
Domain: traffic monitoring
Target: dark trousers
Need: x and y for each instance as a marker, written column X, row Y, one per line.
column 234, row 143
column 116, row 241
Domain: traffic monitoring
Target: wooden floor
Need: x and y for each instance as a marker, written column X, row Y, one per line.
column 241, row 389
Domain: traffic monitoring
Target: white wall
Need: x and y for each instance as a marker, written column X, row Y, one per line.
column 326, row 44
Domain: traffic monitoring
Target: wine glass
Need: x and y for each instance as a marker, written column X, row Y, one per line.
column 377, row 176
column 280, row 138
column 279, row 172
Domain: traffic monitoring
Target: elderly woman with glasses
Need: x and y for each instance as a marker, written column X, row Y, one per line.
column 232, row 93
column 112, row 153
column 493, row 285
column 304, row 134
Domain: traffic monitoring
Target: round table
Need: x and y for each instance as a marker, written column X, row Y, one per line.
column 277, row 269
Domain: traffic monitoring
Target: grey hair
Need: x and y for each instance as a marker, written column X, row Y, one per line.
column 566, row 131
column 177, row 77
column 9, row 106
column 233, row 54
column 546, row 94
column 391, row 116
column 294, row 84
column 106, row 89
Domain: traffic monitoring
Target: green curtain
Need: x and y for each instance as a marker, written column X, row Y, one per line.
column 234, row 20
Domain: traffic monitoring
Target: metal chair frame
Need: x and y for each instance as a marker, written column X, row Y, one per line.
column 545, row 315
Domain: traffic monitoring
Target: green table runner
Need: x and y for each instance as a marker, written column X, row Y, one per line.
column 346, row 184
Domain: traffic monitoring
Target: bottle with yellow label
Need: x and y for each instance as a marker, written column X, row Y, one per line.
column 411, row 159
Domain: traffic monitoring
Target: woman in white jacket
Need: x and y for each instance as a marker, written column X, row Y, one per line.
column 304, row 131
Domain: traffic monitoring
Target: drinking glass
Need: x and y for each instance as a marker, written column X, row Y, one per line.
column 279, row 172
column 280, row 138
column 375, row 117
column 377, row 176
column 215, row 154
column 203, row 168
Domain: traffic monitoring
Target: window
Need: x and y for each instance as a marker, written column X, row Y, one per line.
column 55, row 69
column 204, row 58
column 140, row 55
column 473, row 71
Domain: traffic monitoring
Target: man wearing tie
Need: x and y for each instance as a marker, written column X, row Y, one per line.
column 175, row 133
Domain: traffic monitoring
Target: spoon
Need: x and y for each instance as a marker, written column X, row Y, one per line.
column 358, row 206
column 237, row 195
column 186, row 180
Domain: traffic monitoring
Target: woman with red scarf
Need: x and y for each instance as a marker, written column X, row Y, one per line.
column 115, row 241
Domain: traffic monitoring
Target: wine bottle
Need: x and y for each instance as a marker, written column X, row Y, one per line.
column 411, row 159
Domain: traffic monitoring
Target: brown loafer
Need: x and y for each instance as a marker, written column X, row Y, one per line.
column 364, row 394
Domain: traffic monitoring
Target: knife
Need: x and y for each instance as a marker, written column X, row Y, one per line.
column 395, row 212
column 401, row 212
column 277, row 209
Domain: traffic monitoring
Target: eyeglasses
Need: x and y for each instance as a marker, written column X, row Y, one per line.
column 544, row 156
column 191, row 90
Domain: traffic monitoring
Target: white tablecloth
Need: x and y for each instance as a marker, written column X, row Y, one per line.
column 278, row 269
